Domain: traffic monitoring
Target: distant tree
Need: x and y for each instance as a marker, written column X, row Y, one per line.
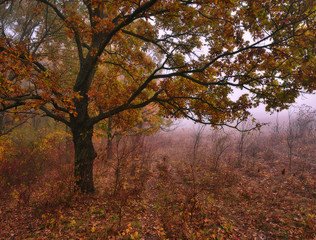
column 197, row 137
column 144, row 122
column 291, row 137
column 254, row 147
column 305, row 122
column 221, row 142
column 301, row 128
column 82, row 62
column 7, row 123
column 276, row 128
column 242, row 141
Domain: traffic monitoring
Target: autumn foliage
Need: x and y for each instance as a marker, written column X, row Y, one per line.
column 85, row 62
column 88, row 92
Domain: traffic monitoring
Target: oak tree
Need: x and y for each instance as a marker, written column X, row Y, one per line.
column 81, row 62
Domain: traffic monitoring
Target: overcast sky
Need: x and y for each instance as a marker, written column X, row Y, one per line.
column 262, row 115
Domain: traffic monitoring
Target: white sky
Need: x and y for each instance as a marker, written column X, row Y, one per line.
column 264, row 117
column 261, row 115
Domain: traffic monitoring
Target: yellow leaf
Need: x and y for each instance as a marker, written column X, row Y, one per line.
column 93, row 229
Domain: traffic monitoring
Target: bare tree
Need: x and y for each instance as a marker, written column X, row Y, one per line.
column 221, row 142
column 291, row 137
column 197, row 135
column 243, row 136
column 253, row 148
column 305, row 122
column 277, row 126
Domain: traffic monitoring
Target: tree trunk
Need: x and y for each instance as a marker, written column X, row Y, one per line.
column 84, row 156
column 109, row 151
column 82, row 132
column 2, row 116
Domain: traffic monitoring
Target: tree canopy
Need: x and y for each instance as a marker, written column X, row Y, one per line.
column 81, row 62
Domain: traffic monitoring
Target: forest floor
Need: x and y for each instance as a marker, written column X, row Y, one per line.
column 226, row 204
column 171, row 199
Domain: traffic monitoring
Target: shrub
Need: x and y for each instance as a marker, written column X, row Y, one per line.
column 26, row 164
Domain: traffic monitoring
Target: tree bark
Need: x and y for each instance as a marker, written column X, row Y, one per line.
column 85, row 153
column 109, row 151
column 84, row 157
column 2, row 125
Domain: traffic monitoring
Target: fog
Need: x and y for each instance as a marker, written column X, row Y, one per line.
column 262, row 116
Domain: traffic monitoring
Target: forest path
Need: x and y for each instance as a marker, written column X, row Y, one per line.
column 150, row 219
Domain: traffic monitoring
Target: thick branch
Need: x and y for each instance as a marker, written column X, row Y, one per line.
column 84, row 79
column 122, row 108
column 10, row 106
column 54, row 116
